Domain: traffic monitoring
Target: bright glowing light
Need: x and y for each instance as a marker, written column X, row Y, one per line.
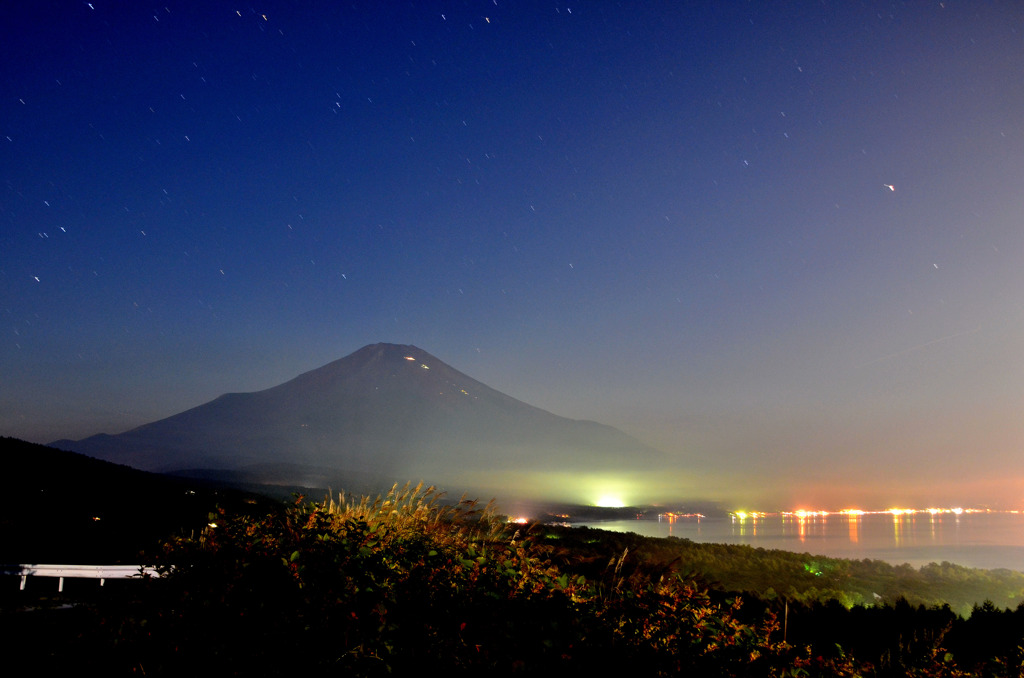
column 613, row 489
column 607, row 490
column 409, row 357
column 671, row 516
column 803, row 514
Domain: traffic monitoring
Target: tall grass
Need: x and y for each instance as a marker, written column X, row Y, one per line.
column 411, row 511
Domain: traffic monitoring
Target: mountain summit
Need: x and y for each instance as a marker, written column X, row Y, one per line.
column 387, row 411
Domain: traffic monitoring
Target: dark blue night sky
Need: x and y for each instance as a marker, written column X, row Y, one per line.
column 782, row 241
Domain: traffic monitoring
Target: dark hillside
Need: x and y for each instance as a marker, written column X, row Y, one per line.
column 64, row 507
column 775, row 575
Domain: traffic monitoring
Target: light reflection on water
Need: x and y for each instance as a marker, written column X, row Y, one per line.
column 986, row 540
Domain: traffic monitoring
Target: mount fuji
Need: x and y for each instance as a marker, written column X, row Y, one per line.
column 384, row 413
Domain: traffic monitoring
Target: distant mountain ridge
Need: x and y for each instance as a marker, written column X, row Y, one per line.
column 60, row 507
column 386, row 410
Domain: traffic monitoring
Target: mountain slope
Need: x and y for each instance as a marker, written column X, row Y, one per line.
column 386, row 409
column 61, row 507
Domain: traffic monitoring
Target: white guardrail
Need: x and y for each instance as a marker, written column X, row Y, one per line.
column 101, row 572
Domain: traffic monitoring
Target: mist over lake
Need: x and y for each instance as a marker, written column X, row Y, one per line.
column 984, row 540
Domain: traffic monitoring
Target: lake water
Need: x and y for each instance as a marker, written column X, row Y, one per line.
column 985, row 540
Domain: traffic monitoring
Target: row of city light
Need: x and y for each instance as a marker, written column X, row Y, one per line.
column 804, row 514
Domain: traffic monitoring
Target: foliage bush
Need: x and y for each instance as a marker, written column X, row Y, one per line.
column 405, row 583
